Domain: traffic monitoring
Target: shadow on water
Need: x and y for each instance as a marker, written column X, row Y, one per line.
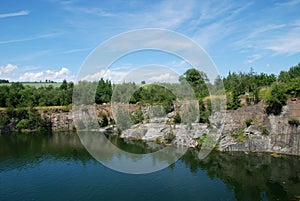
column 253, row 176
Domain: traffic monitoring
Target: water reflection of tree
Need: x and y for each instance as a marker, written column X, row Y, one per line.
column 253, row 176
column 250, row 177
column 18, row 150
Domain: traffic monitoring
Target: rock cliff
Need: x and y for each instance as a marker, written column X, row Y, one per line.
column 267, row 133
column 264, row 133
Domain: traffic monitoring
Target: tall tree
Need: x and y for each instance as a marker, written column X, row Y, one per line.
column 197, row 79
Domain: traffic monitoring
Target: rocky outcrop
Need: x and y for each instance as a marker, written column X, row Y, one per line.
column 60, row 119
column 267, row 133
column 179, row 134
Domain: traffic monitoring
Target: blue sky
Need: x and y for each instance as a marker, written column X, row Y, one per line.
column 50, row 39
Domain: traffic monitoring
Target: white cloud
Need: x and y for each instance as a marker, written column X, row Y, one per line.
column 74, row 50
column 14, row 73
column 217, row 20
column 50, row 35
column 253, row 58
column 63, row 73
column 15, row 14
column 279, row 38
column 6, row 72
column 288, row 3
column 163, row 14
column 167, row 77
column 285, row 43
column 114, row 76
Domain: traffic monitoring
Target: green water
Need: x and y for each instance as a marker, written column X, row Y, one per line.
column 57, row 167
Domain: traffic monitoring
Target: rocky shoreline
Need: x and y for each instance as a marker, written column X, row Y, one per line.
column 264, row 133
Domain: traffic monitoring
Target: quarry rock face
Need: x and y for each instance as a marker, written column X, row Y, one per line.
column 267, row 133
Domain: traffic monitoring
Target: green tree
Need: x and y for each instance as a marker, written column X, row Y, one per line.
column 277, row 99
column 198, row 81
column 234, row 102
column 103, row 91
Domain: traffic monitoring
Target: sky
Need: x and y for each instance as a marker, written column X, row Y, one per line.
column 51, row 39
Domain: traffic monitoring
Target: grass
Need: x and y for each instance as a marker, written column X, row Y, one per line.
column 35, row 84
column 294, row 121
column 45, row 108
column 264, row 93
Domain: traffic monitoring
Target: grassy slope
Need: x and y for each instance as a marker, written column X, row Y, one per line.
column 35, row 84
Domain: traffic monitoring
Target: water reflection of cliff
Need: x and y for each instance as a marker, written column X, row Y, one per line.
column 252, row 176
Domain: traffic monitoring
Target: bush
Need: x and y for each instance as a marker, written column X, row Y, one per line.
column 265, row 130
column 156, row 111
column 248, row 122
column 102, row 119
column 170, row 137
column 122, row 119
column 235, row 102
column 276, row 99
column 177, row 118
column 294, row 122
column 137, row 116
column 23, row 124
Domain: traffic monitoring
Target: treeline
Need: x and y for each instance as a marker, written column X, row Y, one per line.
column 251, row 85
column 23, row 119
column 246, row 85
column 17, row 95
column 3, row 81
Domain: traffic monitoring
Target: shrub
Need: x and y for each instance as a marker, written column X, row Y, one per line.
column 102, row 119
column 248, row 122
column 170, row 137
column 137, row 116
column 156, row 111
column 177, row 118
column 23, row 124
column 277, row 99
column 157, row 141
column 294, row 122
column 265, row 130
column 123, row 119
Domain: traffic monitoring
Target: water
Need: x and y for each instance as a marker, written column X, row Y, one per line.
column 57, row 167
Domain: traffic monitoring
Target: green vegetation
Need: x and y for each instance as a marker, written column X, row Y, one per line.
column 123, row 119
column 137, row 116
column 248, row 122
column 198, row 81
column 23, row 120
column 18, row 95
column 265, row 131
column 177, row 118
column 294, row 122
column 102, row 119
column 240, row 136
column 103, row 91
column 250, row 86
column 170, row 137
column 3, row 81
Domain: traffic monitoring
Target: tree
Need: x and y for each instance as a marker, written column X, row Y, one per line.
column 64, row 85
column 197, row 79
column 218, row 83
column 277, row 99
column 122, row 119
column 234, row 102
column 103, row 91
